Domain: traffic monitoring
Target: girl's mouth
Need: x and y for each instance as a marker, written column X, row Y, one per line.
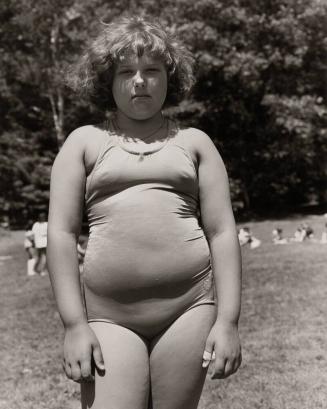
column 140, row 96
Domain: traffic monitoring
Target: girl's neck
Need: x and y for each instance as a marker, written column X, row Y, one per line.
column 138, row 128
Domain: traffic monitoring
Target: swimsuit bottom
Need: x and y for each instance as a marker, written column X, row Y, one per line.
column 152, row 314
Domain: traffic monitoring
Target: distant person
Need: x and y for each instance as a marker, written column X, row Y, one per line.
column 39, row 230
column 255, row 242
column 308, row 231
column 245, row 236
column 302, row 233
column 277, row 236
column 29, row 247
column 299, row 235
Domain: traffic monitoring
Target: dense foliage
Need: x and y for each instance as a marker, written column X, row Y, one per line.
column 260, row 94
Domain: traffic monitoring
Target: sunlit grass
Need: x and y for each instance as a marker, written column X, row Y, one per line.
column 283, row 330
column 283, row 326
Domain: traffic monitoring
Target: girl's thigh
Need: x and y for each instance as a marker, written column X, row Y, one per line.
column 125, row 383
column 177, row 376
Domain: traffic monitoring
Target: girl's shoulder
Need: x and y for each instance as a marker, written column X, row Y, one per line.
column 195, row 140
column 86, row 136
column 87, row 141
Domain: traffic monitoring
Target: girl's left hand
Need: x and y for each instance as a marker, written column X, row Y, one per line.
column 224, row 348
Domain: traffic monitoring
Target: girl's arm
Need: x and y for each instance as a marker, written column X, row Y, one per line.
column 65, row 216
column 219, row 226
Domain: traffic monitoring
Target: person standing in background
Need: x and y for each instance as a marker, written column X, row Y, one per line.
column 30, row 249
column 39, row 231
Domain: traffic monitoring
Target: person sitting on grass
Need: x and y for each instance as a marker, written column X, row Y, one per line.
column 299, row 235
column 277, row 236
column 308, row 231
column 245, row 236
column 324, row 235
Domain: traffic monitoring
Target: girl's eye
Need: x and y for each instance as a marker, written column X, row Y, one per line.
column 152, row 70
column 125, row 71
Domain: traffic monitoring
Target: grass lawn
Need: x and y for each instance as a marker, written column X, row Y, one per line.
column 283, row 330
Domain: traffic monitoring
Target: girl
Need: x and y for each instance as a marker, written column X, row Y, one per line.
column 30, row 250
column 161, row 295
column 39, row 230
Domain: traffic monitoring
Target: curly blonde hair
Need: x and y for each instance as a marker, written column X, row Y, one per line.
column 92, row 75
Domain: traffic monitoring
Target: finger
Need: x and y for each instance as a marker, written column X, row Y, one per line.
column 238, row 362
column 229, row 368
column 219, row 371
column 98, row 358
column 89, row 379
column 207, row 354
column 76, row 372
column 86, row 373
column 207, row 357
column 67, row 370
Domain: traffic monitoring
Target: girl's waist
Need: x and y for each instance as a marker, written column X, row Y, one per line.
column 116, row 273
column 146, row 231
column 144, row 310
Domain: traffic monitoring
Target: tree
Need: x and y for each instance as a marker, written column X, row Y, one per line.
column 259, row 94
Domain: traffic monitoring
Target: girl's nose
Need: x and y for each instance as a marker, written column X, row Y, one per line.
column 139, row 80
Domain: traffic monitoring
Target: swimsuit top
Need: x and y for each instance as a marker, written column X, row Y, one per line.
column 145, row 239
column 127, row 194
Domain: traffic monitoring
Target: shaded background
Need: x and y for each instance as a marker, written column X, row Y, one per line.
column 260, row 94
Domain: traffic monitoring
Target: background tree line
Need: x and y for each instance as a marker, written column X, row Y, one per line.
column 260, row 93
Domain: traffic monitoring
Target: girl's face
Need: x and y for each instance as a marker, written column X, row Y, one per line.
column 140, row 86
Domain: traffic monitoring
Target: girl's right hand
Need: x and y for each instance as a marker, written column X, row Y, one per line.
column 81, row 347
